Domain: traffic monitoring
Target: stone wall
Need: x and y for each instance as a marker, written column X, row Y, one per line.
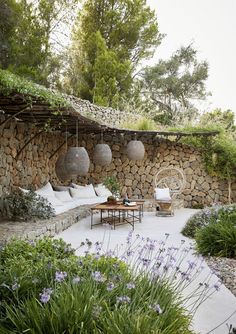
column 107, row 116
column 34, row 167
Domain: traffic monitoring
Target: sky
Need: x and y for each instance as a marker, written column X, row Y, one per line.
column 211, row 26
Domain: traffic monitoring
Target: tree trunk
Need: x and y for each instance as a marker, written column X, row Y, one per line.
column 229, row 190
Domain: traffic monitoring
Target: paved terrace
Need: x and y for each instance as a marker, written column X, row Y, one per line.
column 220, row 308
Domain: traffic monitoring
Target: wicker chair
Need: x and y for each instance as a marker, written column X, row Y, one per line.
column 169, row 183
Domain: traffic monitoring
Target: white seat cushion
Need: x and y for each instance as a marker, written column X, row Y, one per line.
column 52, row 200
column 63, row 196
column 162, row 194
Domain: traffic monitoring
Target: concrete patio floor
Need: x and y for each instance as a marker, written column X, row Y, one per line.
column 218, row 310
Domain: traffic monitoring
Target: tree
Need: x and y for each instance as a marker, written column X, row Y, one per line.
column 174, row 84
column 8, row 19
column 27, row 33
column 130, row 34
column 223, row 119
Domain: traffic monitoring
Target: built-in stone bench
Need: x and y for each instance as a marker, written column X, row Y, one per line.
column 37, row 229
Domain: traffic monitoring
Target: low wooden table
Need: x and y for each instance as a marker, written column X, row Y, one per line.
column 139, row 202
column 117, row 214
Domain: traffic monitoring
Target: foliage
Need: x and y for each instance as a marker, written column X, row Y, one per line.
column 220, row 157
column 110, row 39
column 110, row 74
column 8, row 17
column 53, row 291
column 221, row 119
column 11, row 83
column 30, row 37
column 174, row 84
column 112, row 184
column 143, row 123
column 219, row 152
column 218, row 239
column 207, row 216
column 26, row 206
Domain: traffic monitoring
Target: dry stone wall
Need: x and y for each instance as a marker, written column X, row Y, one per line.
column 107, row 116
column 35, row 166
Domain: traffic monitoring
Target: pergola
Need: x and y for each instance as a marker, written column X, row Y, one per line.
column 25, row 108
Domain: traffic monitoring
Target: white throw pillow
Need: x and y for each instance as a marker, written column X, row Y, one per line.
column 46, row 190
column 162, row 194
column 63, row 196
column 101, row 190
column 83, row 192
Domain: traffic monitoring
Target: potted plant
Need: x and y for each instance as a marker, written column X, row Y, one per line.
column 113, row 185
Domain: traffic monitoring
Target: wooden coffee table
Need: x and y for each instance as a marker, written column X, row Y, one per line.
column 117, row 214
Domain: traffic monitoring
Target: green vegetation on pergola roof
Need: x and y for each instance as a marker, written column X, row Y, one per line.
column 11, row 84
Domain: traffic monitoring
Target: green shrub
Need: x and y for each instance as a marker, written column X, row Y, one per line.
column 198, row 206
column 217, row 239
column 26, row 206
column 206, row 216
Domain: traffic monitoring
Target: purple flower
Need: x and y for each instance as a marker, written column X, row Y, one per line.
column 129, row 253
column 146, row 262
column 15, row 286
column 185, row 276
column 76, row 280
column 130, row 286
column 97, row 276
column 129, row 237
column 67, row 249
column 35, row 280
column 156, row 308
column 123, row 300
column 110, row 286
column 60, row 276
column 98, row 246
column 97, row 311
column 216, row 286
column 45, row 295
column 151, row 246
column 191, row 264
